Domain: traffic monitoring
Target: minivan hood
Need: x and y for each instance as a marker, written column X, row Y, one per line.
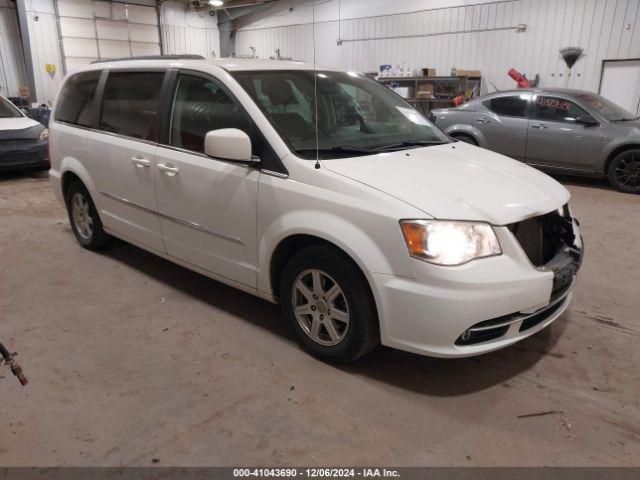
column 16, row 123
column 457, row 181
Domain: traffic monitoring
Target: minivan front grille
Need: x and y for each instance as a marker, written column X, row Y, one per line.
column 543, row 237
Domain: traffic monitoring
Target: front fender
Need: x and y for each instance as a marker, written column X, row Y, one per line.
column 369, row 256
column 612, row 146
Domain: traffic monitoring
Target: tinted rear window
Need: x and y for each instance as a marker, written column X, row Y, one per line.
column 508, row 106
column 76, row 100
column 130, row 104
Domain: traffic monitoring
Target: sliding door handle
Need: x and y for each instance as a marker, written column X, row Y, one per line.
column 539, row 126
column 169, row 168
column 140, row 162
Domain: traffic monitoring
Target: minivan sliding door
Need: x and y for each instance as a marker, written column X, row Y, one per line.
column 121, row 155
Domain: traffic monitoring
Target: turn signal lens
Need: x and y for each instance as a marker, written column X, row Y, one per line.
column 449, row 243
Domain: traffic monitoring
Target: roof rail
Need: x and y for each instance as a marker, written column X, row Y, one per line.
column 152, row 57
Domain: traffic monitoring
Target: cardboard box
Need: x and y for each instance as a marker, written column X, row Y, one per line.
column 468, row 73
column 428, row 72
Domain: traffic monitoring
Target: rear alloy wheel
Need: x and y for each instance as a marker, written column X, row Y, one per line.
column 624, row 172
column 328, row 303
column 84, row 219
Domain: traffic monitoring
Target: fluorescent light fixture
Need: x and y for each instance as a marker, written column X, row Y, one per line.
column 216, row 3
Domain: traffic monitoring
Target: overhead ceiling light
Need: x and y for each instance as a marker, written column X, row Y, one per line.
column 216, row 3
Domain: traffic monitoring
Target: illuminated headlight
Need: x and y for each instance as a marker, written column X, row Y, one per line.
column 449, row 243
column 44, row 134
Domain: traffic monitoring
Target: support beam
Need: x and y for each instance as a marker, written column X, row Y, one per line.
column 23, row 24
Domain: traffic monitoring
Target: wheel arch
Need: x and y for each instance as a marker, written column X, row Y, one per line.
column 469, row 130
column 616, row 151
column 73, row 170
column 294, row 243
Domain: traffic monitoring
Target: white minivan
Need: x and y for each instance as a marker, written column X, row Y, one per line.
column 318, row 189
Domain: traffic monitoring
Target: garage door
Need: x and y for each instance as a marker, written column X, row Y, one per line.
column 100, row 30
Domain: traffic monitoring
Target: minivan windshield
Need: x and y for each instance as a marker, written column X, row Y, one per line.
column 356, row 115
column 606, row 108
column 8, row 109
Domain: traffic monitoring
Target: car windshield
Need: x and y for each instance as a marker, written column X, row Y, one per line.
column 356, row 116
column 8, row 110
column 606, row 108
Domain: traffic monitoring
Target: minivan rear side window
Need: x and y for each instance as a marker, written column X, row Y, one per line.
column 512, row 106
column 130, row 104
column 76, row 100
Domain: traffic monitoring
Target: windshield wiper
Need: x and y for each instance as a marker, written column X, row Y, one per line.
column 409, row 143
column 625, row 119
column 338, row 150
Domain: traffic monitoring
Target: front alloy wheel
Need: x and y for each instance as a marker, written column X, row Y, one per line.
column 624, row 171
column 320, row 307
column 327, row 302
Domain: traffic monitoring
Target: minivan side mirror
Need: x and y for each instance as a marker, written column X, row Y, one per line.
column 587, row 121
column 228, row 144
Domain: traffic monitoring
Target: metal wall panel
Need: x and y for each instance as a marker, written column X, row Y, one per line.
column 45, row 49
column 187, row 32
column 12, row 73
column 477, row 36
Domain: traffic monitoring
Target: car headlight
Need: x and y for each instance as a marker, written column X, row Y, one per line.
column 449, row 243
column 44, row 134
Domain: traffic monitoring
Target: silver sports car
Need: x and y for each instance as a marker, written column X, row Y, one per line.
column 570, row 131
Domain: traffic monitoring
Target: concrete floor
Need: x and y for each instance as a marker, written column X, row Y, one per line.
column 133, row 360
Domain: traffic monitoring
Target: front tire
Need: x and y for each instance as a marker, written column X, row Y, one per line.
column 624, row 171
column 84, row 219
column 328, row 304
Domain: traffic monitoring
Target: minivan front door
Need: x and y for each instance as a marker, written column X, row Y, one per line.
column 557, row 140
column 121, row 156
column 207, row 206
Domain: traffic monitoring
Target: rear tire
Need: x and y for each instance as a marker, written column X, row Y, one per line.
column 328, row 304
column 624, row 171
column 463, row 137
column 84, row 219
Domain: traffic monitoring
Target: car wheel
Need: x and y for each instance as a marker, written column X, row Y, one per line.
column 328, row 304
column 84, row 219
column 466, row 139
column 624, row 171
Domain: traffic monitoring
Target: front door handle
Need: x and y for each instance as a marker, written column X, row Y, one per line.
column 484, row 120
column 539, row 126
column 140, row 162
column 169, row 168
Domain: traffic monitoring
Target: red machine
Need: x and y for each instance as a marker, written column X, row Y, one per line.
column 522, row 80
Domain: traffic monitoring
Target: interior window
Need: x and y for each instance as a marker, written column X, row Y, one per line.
column 558, row 110
column 76, row 100
column 513, row 106
column 201, row 105
column 130, row 104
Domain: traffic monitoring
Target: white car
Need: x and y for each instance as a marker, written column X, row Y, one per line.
column 23, row 141
column 374, row 227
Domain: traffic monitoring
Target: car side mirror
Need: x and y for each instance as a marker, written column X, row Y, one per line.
column 587, row 121
column 229, row 144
